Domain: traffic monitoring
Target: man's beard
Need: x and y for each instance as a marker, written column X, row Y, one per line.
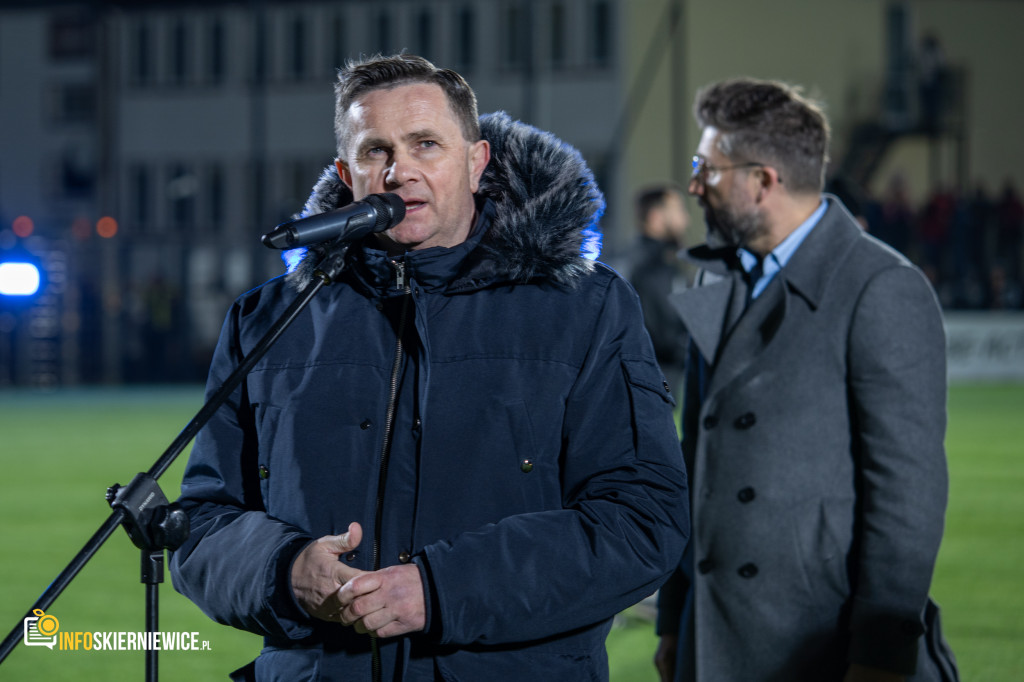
column 671, row 240
column 729, row 228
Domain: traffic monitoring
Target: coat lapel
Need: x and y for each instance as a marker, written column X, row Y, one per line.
column 751, row 335
column 703, row 310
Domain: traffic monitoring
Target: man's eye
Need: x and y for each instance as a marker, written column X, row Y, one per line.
column 428, row 143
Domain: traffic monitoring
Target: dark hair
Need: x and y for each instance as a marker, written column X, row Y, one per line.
column 379, row 72
column 653, row 197
column 768, row 122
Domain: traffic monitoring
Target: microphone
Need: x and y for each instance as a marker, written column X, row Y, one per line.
column 375, row 213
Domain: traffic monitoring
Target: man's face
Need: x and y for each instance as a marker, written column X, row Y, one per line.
column 672, row 219
column 726, row 196
column 406, row 140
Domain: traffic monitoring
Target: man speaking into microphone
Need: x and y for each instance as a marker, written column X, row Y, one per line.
column 460, row 461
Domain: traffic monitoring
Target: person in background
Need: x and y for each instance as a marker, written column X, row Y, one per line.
column 662, row 221
column 813, row 423
column 1010, row 232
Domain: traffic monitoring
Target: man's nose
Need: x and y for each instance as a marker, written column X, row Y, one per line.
column 696, row 187
column 402, row 170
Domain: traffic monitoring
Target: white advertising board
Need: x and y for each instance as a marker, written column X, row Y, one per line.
column 985, row 345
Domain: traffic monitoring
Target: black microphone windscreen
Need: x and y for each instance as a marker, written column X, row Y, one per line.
column 389, row 207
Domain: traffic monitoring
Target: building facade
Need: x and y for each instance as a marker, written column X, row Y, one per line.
column 148, row 144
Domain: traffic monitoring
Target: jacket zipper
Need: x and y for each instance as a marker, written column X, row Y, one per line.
column 385, row 452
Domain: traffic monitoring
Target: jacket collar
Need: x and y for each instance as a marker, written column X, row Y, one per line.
column 434, row 269
column 810, row 270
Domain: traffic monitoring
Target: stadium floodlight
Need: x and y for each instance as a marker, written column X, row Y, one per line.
column 18, row 279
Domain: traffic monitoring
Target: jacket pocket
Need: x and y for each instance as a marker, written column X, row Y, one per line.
column 520, row 426
column 268, row 419
column 820, row 557
column 534, row 473
column 650, row 403
column 642, row 373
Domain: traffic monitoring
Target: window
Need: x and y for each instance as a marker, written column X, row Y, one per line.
column 77, row 172
column 297, row 177
column 75, row 103
column 424, row 34
column 216, row 52
column 297, row 51
column 140, row 197
column 141, row 59
column 72, row 36
column 255, row 191
column 179, row 52
column 515, row 38
column 558, row 35
column 336, row 40
column 260, row 49
column 216, row 192
column 466, row 54
column 382, row 33
column 181, row 194
column 601, row 33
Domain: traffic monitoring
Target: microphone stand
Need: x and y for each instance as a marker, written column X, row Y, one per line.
column 141, row 507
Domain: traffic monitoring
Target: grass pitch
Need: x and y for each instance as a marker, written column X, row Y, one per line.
column 59, row 452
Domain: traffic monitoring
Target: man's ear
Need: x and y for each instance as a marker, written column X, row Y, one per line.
column 479, row 156
column 343, row 172
column 768, row 180
column 769, row 177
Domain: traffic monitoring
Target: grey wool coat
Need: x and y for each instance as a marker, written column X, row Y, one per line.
column 813, row 436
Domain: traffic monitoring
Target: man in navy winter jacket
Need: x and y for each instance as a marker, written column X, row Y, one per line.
column 460, row 461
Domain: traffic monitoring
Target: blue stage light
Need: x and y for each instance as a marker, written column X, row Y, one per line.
column 18, row 279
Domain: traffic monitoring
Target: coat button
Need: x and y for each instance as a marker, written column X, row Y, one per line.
column 747, row 571
column 705, row 566
column 351, row 556
column 710, row 421
column 264, row 472
column 745, row 421
column 417, row 423
column 746, row 495
column 526, row 466
column 405, row 557
column 664, row 385
column 366, row 424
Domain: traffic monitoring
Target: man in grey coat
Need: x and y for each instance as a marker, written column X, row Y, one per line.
column 813, row 422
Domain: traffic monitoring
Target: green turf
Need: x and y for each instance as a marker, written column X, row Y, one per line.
column 59, row 452
column 979, row 579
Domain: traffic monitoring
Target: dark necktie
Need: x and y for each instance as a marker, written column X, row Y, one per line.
column 752, row 278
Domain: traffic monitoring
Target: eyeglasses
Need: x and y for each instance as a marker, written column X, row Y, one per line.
column 701, row 167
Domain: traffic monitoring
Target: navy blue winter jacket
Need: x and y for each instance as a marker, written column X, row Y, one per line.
column 531, row 466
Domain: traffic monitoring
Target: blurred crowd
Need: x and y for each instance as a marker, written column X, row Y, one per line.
column 969, row 245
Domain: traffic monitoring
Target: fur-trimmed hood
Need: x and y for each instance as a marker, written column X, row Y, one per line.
column 546, row 207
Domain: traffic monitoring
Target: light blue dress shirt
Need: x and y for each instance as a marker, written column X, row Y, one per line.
column 780, row 255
